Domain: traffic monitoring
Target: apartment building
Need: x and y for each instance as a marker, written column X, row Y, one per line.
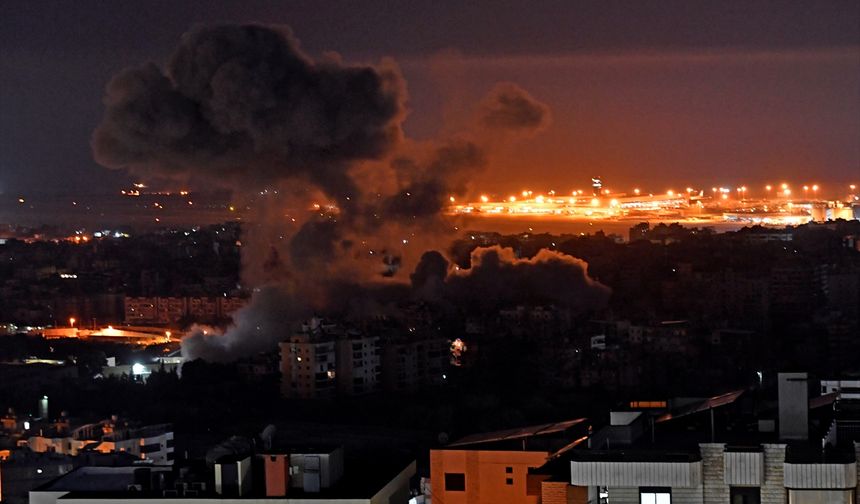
column 174, row 310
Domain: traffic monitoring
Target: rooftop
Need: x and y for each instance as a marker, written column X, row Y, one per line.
column 517, row 434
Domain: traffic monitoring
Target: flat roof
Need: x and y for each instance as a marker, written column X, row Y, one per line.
column 97, row 478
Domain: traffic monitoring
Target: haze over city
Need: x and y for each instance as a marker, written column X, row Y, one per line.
column 663, row 93
column 430, row 252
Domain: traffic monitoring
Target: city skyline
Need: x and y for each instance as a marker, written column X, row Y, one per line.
column 757, row 93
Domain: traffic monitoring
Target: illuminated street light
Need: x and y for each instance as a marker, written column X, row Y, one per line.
column 72, row 321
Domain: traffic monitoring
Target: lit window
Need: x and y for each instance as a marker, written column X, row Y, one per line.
column 655, row 496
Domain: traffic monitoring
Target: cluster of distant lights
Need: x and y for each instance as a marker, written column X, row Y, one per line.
column 783, row 189
column 80, row 236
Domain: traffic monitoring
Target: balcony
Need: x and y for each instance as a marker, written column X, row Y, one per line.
column 743, row 467
column 820, row 476
column 811, row 467
column 637, row 469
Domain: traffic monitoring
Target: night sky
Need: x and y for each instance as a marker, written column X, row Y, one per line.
column 646, row 93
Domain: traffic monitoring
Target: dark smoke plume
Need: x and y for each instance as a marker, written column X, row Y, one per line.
column 498, row 279
column 511, row 108
column 243, row 102
column 244, row 108
column 426, row 187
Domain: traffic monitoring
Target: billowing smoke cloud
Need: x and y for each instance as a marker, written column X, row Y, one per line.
column 498, row 279
column 427, row 188
column 243, row 107
column 276, row 309
column 257, row 327
column 510, row 108
column 243, row 102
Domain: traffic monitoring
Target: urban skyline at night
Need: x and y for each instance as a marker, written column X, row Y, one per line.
column 751, row 93
column 430, row 252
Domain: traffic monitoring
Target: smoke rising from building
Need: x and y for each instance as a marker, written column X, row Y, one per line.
column 497, row 278
column 243, row 107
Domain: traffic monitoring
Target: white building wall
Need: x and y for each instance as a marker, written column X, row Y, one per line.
column 820, row 476
column 688, row 495
column 623, row 495
column 743, row 468
column 630, row 495
column 629, row 474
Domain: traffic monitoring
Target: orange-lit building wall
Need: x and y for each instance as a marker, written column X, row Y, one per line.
column 561, row 492
column 486, row 476
column 277, row 468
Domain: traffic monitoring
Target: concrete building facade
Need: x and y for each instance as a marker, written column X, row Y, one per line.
column 717, row 474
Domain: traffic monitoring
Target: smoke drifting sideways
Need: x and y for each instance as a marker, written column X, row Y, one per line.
column 498, row 279
column 242, row 107
column 510, row 108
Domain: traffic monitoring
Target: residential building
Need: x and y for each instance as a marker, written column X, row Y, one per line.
column 176, row 310
column 496, row 466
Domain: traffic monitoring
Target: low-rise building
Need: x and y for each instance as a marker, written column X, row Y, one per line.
column 153, row 443
column 498, row 466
